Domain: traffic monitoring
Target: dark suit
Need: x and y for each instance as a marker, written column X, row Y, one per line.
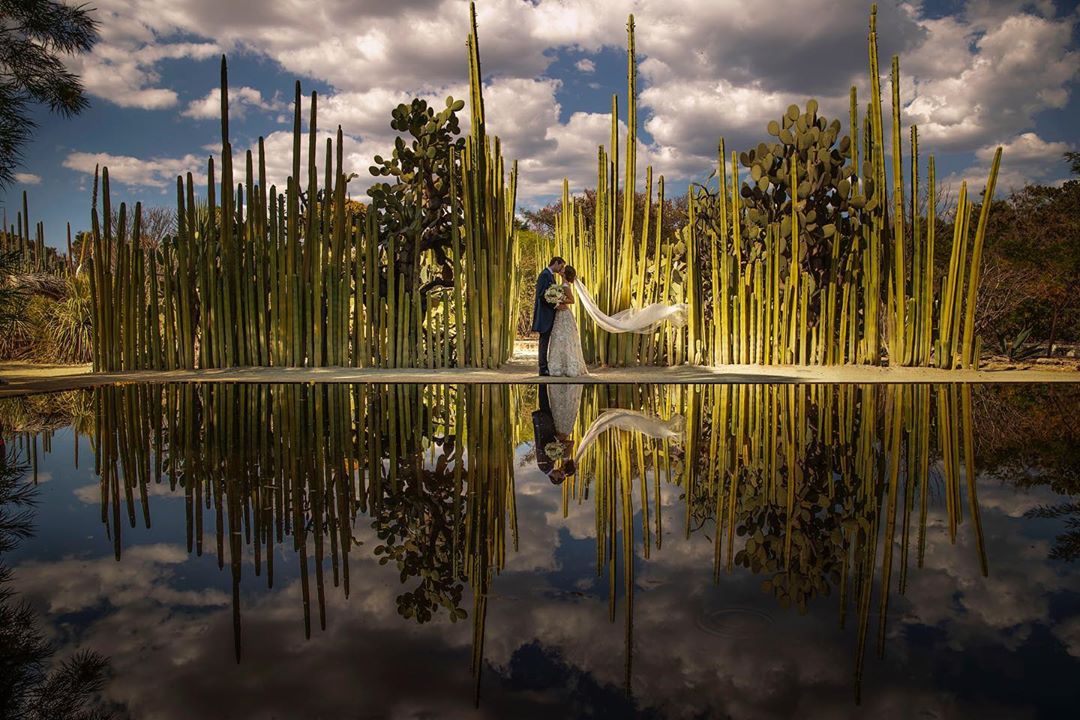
column 543, row 316
column 543, row 432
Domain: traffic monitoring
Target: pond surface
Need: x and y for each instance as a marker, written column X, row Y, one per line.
column 355, row 551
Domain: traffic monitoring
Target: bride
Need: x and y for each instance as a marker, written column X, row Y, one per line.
column 565, row 357
column 564, row 350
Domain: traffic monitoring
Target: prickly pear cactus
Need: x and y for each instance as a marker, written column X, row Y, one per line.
column 415, row 204
column 826, row 204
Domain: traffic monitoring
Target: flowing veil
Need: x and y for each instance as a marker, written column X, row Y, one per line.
column 631, row 421
column 635, row 320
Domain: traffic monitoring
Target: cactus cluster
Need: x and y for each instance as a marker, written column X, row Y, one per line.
column 293, row 276
column 33, row 255
column 800, row 254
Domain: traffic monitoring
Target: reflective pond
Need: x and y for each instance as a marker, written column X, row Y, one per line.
column 359, row 551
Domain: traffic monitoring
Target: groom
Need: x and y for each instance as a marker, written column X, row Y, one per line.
column 545, row 435
column 543, row 311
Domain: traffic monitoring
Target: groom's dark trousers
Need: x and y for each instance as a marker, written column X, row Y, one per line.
column 543, row 317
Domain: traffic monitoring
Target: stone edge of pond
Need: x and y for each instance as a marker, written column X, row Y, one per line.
column 24, row 380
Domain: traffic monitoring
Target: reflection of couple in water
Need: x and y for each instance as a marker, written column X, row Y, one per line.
column 553, row 426
column 557, row 454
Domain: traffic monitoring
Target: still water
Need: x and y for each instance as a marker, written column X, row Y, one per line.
column 357, row 551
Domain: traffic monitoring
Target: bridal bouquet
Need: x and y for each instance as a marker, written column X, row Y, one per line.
column 554, row 450
column 554, row 294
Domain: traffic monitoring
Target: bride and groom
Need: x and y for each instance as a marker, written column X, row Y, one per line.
column 560, row 342
column 558, row 455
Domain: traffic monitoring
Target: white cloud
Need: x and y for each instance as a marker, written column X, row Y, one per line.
column 1018, row 69
column 585, row 65
column 126, row 75
column 27, row 179
column 1025, row 159
column 154, row 172
column 240, row 99
column 1026, row 147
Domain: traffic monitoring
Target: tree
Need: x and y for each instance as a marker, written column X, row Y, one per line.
column 34, row 37
column 1037, row 229
column 157, row 221
column 542, row 220
column 1073, row 158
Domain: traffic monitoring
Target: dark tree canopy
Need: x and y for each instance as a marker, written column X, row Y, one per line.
column 34, row 37
column 1037, row 230
column 1073, row 158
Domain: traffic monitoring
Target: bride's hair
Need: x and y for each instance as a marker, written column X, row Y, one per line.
column 569, row 273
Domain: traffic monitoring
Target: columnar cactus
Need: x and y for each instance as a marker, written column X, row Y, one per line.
column 256, row 275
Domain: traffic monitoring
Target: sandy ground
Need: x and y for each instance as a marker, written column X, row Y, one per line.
column 25, row 378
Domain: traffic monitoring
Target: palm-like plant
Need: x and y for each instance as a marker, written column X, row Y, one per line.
column 12, row 305
column 69, row 324
column 12, row 295
column 34, row 37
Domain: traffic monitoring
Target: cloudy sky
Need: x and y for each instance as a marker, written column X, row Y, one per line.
column 976, row 74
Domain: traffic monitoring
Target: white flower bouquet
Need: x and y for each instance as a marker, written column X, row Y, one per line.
column 555, row 295
column 554, row 450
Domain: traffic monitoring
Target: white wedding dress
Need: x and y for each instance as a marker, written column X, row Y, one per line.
column 565, row 358
column 565, row 401
column 634, row 320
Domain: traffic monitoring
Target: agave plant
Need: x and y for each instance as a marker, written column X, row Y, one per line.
column 1016, row 348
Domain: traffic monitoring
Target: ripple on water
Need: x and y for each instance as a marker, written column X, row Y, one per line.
column 735, row 623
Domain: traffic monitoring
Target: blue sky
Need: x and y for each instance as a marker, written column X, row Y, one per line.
column 976, row 74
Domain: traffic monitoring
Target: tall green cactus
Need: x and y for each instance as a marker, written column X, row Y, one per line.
column 623, row 268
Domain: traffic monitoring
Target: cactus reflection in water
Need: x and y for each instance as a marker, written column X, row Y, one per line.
column 428, row 466
column 261, row 275
column 812, row 487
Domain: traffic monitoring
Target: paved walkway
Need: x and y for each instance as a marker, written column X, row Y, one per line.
column 24, row 379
